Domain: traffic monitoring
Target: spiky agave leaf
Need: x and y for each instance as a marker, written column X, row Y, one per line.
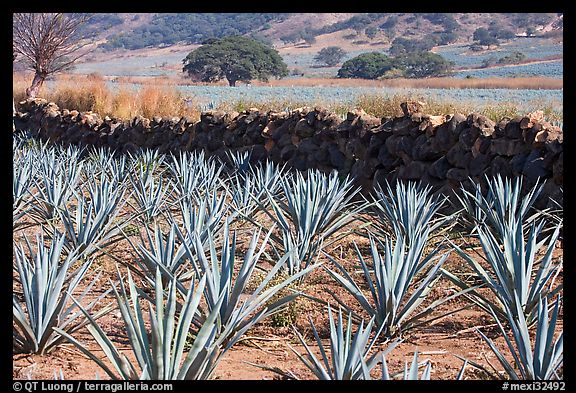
column 203, row 219
column 147, row 160
column 249, row 188
column 23, row 175
column 193, row 176
column 161, row 253
column 350, row 357
column 93, row 225
column 402, row 279
column 56, row 185
column 408, row 374
column 502, row 207
column 100, row 159
column 408, row 209
column 313, row 209
column 46, row 281
column 159, row 352
column 240, row 309
column 514, row 273
column 539, row 361
column 150, row 194
column 239, row 161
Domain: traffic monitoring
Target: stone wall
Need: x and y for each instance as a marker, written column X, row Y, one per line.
column 442, row 151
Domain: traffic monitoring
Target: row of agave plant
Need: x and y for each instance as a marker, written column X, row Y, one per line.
column 187, row 296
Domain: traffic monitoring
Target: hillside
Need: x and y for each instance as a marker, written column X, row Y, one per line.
column 136, row 31
column 153, row 45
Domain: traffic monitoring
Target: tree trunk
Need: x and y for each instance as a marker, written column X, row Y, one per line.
column 37, row 82
column 231, row 82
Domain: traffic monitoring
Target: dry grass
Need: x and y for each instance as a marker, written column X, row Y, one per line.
column 381, row 106
column 158, row 96
column 389, row 106
column 91, row 93
column 433, row 83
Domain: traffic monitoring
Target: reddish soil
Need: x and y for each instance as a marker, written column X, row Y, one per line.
column 439, row 341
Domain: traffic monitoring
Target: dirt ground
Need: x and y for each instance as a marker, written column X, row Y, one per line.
column 440, row 341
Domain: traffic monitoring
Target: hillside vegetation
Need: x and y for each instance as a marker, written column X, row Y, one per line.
column 167, row 29
column 135, row 31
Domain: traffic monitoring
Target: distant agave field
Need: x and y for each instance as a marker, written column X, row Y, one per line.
column 527, row 100
column 553, row 69
column 533, row 48
column 155, row 65
column 200, row 230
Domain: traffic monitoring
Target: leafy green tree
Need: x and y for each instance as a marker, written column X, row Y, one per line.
column 235, row 59
column 366, row 65
column 488, row 62
column 390, row 22
column 309, row 37
column 480, row 34
column 492, row 35
column 446, row 38
column 402, row 46
column 371, row 32
column 513, row 58
column 330, row 56
column 423, row 65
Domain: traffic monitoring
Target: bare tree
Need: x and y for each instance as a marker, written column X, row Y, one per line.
column 47, row 43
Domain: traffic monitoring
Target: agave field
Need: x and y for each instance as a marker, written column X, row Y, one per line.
column 554, row 69
column 170, row 63
column 534, row 48
column 184, row 266
column 527, row 100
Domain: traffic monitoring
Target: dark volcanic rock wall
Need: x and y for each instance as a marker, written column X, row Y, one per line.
column 442, row 151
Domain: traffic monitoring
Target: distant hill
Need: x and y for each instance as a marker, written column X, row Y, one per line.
column 136, row 31
column 187, row 28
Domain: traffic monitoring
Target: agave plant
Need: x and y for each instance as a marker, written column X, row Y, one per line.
column 100, row 160
column 119, row 171
column 514, row 274
column 55, row 185
column 408, row 210
column 555, row 215
column 350, row 357
column 403, row 277
column 72, row 153
column 194, row 175
column 159, row 352
column 241, row 189
column 204, row 218
column 167, row 257
column 92, row 225
column 46, row 284
column 540, row 361
column 315, row 208
column 250, row 187
column 147, row 160
column 238, row 310
column 150, row 194
column 350, row 354
column 240, row 161
column 409, row 374
column 501, row 207
column 22, row 183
